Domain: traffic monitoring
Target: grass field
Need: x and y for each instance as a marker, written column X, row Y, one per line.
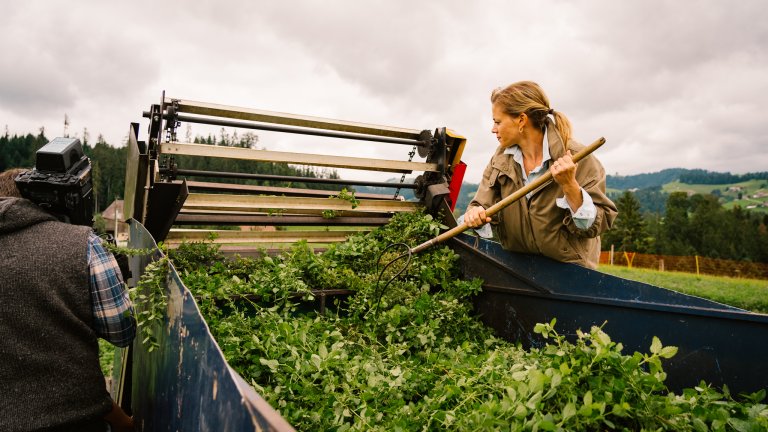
column 749, row 294
column 748, row 189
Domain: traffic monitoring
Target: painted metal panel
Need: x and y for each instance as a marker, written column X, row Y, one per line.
column 186, row 384
column 717, row 343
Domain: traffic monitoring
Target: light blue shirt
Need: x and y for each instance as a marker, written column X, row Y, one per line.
column 585, row 216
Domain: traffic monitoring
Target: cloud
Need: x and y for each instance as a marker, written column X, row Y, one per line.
column 667, row 83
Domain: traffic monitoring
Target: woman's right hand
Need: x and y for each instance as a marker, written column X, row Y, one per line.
column 475, row 217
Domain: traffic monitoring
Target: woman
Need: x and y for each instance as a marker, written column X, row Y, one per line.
column 562, row 219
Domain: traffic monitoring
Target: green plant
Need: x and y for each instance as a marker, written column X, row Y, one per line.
column 349, row 196
column 150, row 301
column 127, row 251
column 106, row 357
column 425, row 362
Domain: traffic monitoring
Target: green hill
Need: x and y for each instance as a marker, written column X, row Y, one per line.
column 750, row 191
column 751, row 194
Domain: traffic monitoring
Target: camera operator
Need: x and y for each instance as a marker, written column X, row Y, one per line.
column 60, row 290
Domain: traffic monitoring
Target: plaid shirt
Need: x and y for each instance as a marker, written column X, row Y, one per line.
column 112, row 309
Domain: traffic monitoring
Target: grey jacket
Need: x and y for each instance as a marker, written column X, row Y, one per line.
column 49, row 355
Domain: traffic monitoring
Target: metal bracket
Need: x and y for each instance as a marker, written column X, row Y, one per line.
column 432, row 187
column 155, row 124
column 172, row 120
column 169, row 169
column 425, row 143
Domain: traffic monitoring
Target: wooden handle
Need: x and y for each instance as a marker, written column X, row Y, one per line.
column 453, row 232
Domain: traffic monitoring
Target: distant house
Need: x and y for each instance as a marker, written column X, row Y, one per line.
column 735, row 189
column 760, row 194
column 113, row 217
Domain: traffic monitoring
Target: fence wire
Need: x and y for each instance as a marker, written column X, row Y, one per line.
column 688, row 264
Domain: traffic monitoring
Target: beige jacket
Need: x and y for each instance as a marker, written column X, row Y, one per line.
column 536, row 224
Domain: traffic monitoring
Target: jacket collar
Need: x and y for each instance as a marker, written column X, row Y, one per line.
column 503, row 158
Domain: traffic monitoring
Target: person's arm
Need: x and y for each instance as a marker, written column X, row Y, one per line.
column 487, row 194
column 583, row 216
column 112, row 308
column 595, row 212
column 118, row 420
column 564, row 172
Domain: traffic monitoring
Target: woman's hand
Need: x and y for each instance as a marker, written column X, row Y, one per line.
column 475, row 217
column 564, row 172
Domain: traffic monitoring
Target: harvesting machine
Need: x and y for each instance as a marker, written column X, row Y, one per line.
column 187, row 384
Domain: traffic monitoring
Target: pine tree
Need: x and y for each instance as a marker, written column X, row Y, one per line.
column 677, row 226
column 629, row 232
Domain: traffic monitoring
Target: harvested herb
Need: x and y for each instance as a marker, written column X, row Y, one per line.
column 423, row 361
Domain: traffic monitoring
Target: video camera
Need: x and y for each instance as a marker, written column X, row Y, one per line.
column 61, row 181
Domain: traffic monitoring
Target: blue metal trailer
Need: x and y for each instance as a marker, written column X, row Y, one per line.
column 187, row 385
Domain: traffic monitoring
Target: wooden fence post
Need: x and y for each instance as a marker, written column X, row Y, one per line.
column 661, row 264
column 611, row 254
column 697, row 264
column 629, row 257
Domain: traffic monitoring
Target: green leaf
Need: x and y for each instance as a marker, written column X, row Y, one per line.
column 655, row 345
column 699, row 425
column 603, row 337
column 271, row 364
column 668, row 352
column 742, row 425
column 536, row 380
column 569, row 410
column 316, row 360
column 546, row 425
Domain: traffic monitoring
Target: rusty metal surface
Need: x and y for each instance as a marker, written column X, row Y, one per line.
column 281, row 178
column 717, row 343
column 216, row 110
column 177, row 236
column 186, row 385
column 229, row 219
column 288, row 129
column 351, row 162
column 195, row 186
column 278, row 205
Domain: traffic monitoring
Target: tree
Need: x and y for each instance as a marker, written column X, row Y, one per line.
column 709, row 232
column 108, row 171
column 676, row 226
column 629, row 231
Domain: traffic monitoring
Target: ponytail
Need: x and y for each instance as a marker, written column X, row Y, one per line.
column 563, row 128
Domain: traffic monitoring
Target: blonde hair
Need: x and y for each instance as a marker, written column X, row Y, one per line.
column 529, row 98
column 8, row 185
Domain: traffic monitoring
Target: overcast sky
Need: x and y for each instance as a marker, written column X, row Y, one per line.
column 667, row 83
